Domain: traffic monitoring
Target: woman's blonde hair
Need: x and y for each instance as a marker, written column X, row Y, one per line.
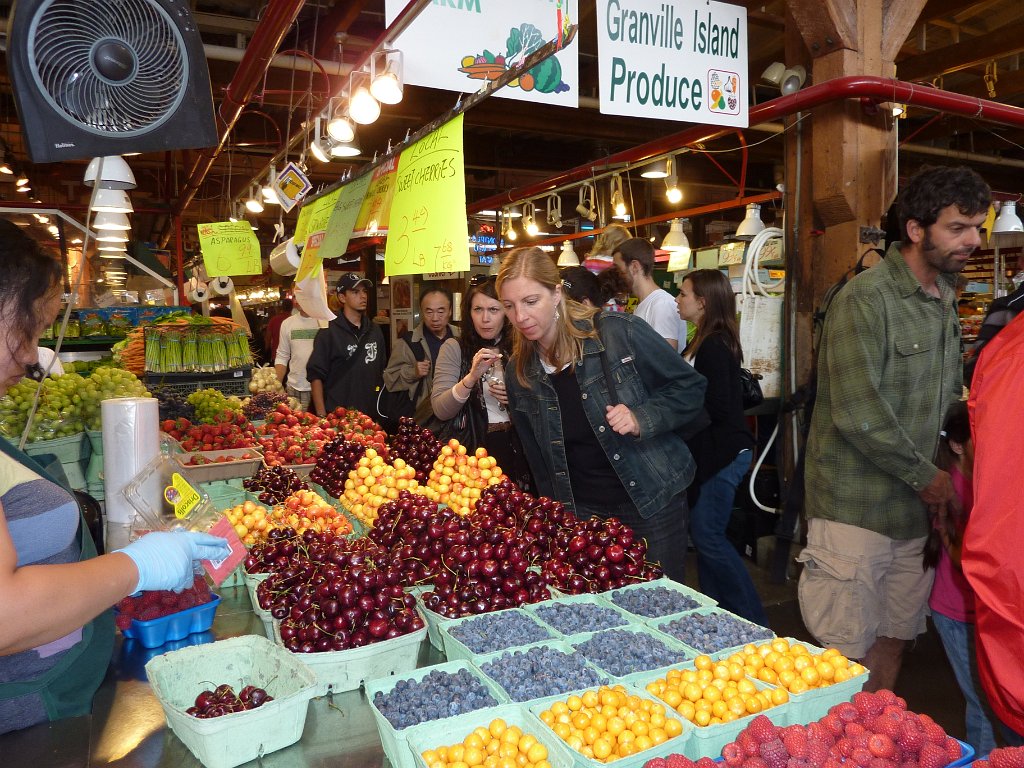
column 533, row 263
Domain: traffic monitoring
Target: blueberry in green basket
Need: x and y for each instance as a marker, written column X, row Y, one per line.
column 653, row 602
column 573, row 618
column 496, row 632
column 539, row 672
column 438, row 695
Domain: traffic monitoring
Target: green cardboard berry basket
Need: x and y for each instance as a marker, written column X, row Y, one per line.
column 684, row 653
column 708, row 740
column 455, row 649
column 434, row 620
column 675, row 745
column 715, row 653
column 537, row 610
column 559, row 645
column 455, row 730
column 339, row 671
column 179, row 676
column 394, row 740
column 701, row 600
column 815, row 703
column 251, row 581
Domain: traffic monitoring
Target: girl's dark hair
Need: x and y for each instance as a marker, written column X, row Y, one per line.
column 469, row 339
column 956, row 428
column 580, row 283
column 719, row 310
column 30, row 274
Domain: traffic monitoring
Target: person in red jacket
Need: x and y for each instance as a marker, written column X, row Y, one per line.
column 991, row 550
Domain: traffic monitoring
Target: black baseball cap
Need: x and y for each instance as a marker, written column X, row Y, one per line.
column 350, row 281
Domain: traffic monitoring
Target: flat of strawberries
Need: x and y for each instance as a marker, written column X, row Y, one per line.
column 159, row 603
column 1003, row 757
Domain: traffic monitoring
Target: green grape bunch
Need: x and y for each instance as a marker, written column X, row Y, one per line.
column 210, row 404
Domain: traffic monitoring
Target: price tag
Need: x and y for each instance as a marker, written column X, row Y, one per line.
column 219, row 570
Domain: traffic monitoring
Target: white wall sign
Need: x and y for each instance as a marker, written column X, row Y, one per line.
column 459, row 45
column 683, row 60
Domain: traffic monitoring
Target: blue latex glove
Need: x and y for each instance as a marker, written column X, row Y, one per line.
column 165, row 560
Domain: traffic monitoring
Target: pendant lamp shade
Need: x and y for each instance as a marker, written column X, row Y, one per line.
column 115, row 173
column 112, row 201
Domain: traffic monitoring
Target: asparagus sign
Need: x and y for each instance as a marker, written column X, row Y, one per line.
column 229, row 248
column 683, row 60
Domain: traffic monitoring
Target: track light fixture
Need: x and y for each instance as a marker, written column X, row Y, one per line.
column 555, row 211
column 672, row 191
column 586, row 208
column 530, row 219
column 788, row 79
column 386, row 76
column 268, row 191
column 339, row 126
column 253, row 204
column 656, row 170
column 318, row 147
column 348, row 148
column 618, row 202
column 362, row 107
column 751, row 223
column 568, row 257
column 508, row 232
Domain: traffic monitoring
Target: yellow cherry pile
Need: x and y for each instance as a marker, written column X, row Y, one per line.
column 794, row 667
column 714, row 692
column 499, row 745
column 458, row 477
column 374, row 481
column 610, row 723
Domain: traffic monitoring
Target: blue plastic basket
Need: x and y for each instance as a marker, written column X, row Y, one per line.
column 174, row 626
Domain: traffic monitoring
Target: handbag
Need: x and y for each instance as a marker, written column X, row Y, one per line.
column 750, row 384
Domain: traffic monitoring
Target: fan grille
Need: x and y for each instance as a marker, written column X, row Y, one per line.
column 113, row 67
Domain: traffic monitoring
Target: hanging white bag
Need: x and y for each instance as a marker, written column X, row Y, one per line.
column 760, row 313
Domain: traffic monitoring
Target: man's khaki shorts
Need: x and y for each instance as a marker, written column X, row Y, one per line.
column 858, row 585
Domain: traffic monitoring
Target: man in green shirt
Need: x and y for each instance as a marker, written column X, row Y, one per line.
column 888, row 368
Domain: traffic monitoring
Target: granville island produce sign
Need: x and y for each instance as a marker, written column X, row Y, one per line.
column 680, row 60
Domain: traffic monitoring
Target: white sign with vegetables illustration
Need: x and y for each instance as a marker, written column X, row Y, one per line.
column 460, row 45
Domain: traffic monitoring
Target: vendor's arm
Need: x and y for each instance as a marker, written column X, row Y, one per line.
column 284, row 354
column 42, row 603
column 853, row 355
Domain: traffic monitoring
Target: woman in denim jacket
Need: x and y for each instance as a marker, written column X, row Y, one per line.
column 599, row 458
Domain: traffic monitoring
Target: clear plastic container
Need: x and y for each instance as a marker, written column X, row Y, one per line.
column 167, row 496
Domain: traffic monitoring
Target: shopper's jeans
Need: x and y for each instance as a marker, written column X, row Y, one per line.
column 721, row 571
column 665, row 532
column 958, row 640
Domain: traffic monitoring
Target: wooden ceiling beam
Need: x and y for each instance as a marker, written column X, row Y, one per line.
column 898, row 20
column 946, row 9
column 1004, row 41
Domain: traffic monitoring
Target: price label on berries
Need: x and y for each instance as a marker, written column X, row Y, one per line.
column 182, row 496
column 219, row 570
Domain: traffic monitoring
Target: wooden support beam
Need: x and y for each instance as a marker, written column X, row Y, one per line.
column 946, row 9
column 825, row 25
column 1004, row 41
column 898, row 19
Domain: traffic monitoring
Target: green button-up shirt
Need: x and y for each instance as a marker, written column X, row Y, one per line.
column 889, row 367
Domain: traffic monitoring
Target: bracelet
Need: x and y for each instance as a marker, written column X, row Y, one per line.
column 463, row 383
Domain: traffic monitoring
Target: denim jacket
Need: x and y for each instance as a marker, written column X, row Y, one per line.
column 659, row 387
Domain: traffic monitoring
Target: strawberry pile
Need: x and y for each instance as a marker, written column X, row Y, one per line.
column 875, row 730
column 292, row 437
column 679, row 761
column 1002, row 757
column 233, row 433
column 159, row 603
column 355, row 426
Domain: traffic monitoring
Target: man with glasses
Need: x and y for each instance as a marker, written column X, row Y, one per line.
column 412, row 359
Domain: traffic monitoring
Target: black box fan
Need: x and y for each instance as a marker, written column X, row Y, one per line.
column 106, row 77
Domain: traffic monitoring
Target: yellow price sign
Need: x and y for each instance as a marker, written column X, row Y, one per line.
column 375, row 212
column 229, row 248
column 427, row 231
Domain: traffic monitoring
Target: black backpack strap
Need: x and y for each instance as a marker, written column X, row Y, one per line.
column 420, row 354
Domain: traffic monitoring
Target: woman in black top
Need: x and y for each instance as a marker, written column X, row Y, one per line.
column 722, row 450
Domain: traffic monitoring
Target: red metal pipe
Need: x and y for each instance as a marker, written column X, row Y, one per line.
column 276, row 22
column 854, row 86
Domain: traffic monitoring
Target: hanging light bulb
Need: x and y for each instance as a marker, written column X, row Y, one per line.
column 672, row 191
column 339, row 126
column 253, row 204
column 5, row 167
column 507, row 230
column 268, row 192
column 386, row 74
column 529, row 220
column 318, row 146
column 568, row 257
column 618, row 202
column 362, row 107
column 348, row 148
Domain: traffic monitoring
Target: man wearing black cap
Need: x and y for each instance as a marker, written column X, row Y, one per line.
column 346, row 367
